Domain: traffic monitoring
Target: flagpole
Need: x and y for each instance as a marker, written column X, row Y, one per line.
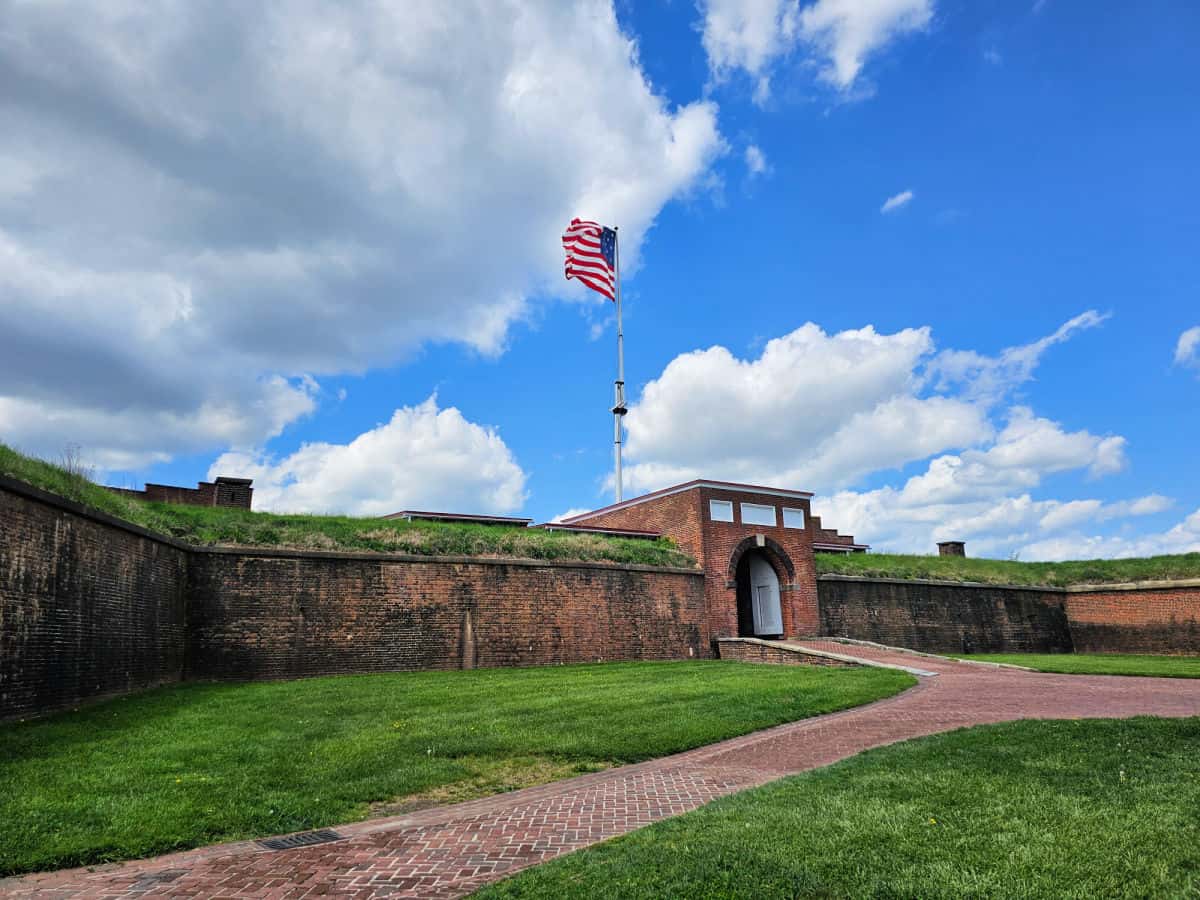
column 619, row 408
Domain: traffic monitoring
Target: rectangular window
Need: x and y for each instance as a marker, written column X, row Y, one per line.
column 793, row 518
column 720, row 510
column 753, row 514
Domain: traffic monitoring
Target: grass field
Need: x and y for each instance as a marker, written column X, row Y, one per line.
column 1099, row 663
column 1005, row 571
column 1029, row 809
column 239, row 527
column 200, row 763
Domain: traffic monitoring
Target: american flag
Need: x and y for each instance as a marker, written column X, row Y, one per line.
column 591, row 256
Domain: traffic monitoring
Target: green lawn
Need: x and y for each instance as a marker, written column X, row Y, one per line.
column 200, row 763
column 239, row 527
column 1098, row 663
column 1007, row 571
column 1029, row 809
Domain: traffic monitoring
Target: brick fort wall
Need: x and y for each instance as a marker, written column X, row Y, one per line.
column 944, row 617
column 281, row 614
column 89, row 607
column 1136, row 619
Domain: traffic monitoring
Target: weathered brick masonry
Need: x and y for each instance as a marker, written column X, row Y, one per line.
column 1136, row 619
column 92, row 606
column 89, row 606
column 280, row 614
column 683, row 513
column 944, row 617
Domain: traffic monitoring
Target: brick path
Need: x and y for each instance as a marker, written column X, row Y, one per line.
column 450, row 851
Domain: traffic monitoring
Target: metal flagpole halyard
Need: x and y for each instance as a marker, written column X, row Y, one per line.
column 618, row 409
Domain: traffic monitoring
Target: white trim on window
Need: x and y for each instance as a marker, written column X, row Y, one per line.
column 758, row 514
column 793, row 518
column 720, row 510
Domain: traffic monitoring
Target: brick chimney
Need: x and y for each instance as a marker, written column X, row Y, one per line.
column 952, row 548
column 233, row 492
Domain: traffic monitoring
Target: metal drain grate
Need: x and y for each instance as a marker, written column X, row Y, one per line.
column 152, row 880
column 303, row 839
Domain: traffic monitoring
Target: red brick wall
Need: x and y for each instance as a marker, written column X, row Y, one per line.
column 944, row 617
column 89, row 607
column 284, row 614
column 1145, row 620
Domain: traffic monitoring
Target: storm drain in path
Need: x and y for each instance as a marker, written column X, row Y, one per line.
column 303, row 839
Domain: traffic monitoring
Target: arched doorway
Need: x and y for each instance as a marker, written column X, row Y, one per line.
column 760, row 613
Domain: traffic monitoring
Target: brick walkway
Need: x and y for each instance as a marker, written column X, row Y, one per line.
column 450, row 851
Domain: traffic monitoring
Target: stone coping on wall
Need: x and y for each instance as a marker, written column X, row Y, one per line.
column 28, row 491
column 1044, row 588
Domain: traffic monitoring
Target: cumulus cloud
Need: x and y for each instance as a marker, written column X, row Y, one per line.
column 813, row 409
column 423, row 458
column 1183, row 537
column 752, row 35
column 1187, row 350
column 825, row 411
column 211, row 206
column 984, row 492
column 891, row 204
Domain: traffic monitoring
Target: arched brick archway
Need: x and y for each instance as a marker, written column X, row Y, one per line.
column 775, row 553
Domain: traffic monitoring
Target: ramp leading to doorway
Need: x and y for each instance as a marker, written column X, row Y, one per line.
column 800, row 653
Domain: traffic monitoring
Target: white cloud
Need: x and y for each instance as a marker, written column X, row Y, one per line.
column 748, row 35
column 891, row 204
column 207, row 200
column 756, row 162
column 814, row 408
column 1187, row 350
column 1183, row 537
column 983, row 493
column 989, row 377
column 849, row 31
column 570, row 513
column 753, row 35
column 423, row 458
column 823, row 411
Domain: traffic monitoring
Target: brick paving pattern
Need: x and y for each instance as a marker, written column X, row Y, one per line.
column 451, row 851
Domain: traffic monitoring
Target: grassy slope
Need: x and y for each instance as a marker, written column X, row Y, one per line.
column 199, row 763
column 1099, row 663
column 211, row 525
column 1004, row 571
column 1028, row 809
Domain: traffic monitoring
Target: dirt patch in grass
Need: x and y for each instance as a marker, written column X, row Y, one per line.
column 487, row 777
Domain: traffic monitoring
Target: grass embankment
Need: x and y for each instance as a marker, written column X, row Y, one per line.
column 1006, row 571
column 238, row 527
column 199, row 763
column 1029, row 809
column 1098, row 663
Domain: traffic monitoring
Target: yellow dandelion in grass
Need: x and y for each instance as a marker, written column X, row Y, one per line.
column 933, row 821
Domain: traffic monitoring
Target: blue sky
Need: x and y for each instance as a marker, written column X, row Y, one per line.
column 323, row 250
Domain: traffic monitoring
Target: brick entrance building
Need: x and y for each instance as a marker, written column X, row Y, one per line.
column 755, row 544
